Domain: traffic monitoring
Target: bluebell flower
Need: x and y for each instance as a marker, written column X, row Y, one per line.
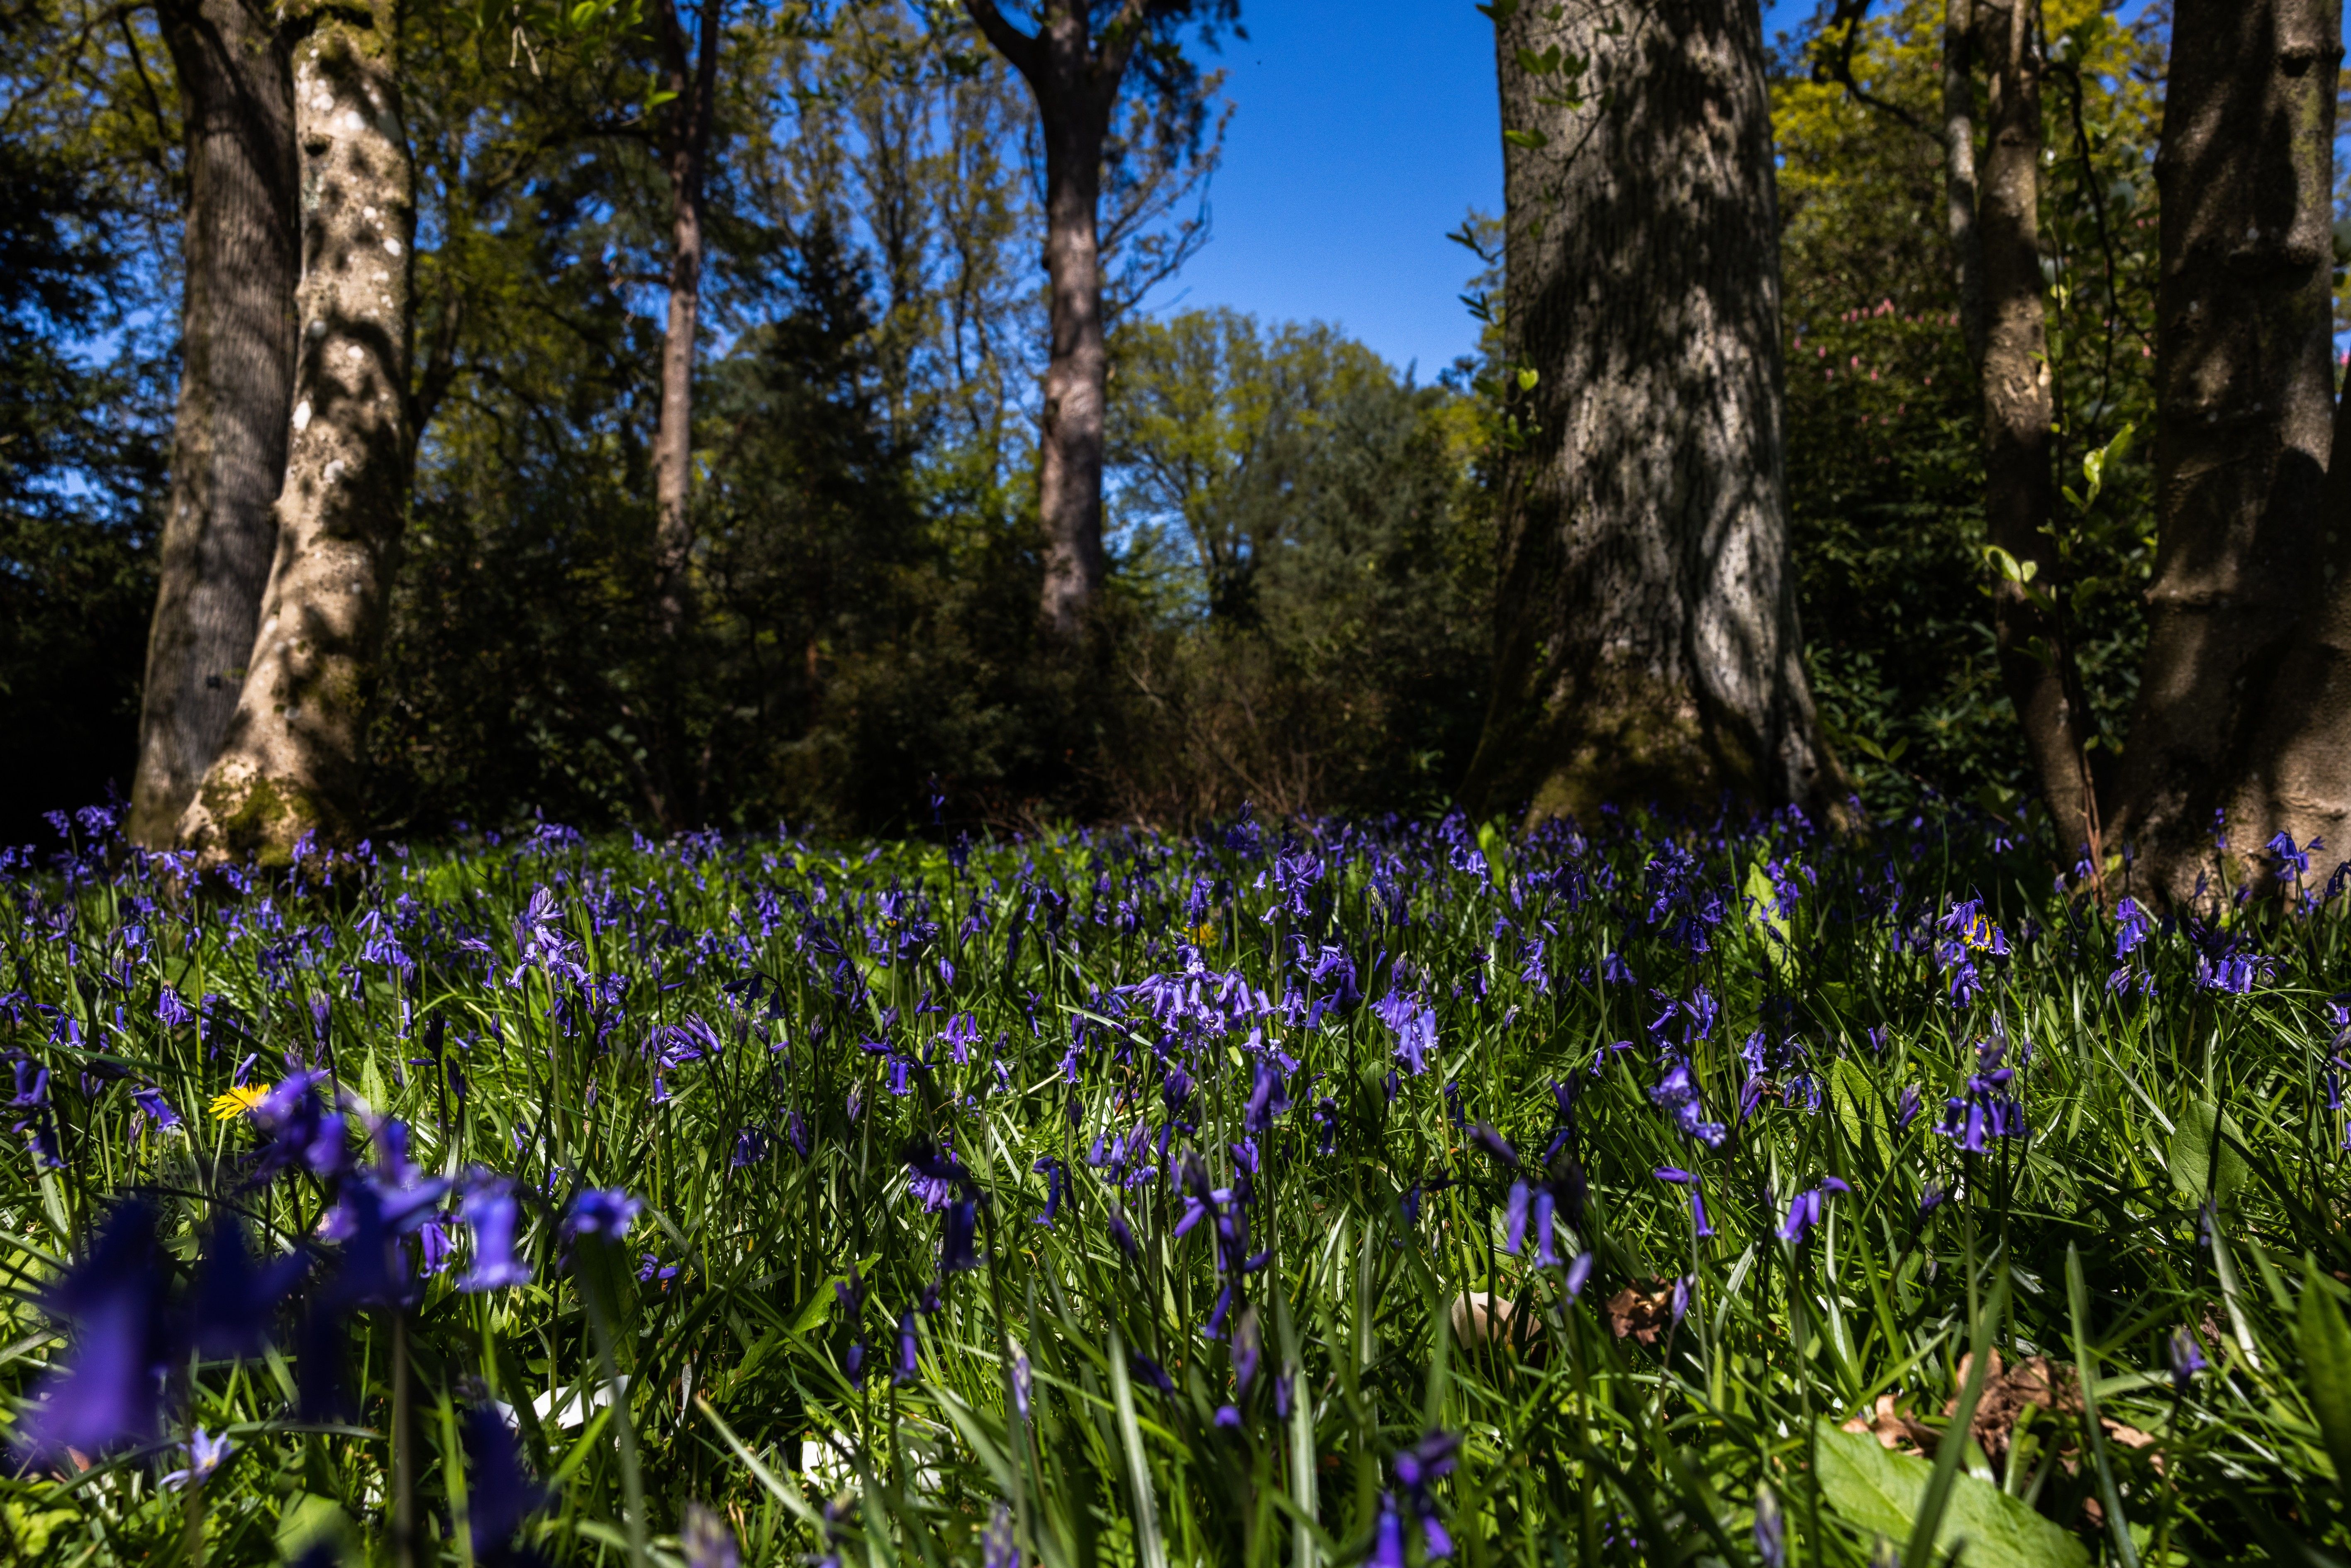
column 500, row 1493
column 2187, row 1357
column 205, row 1453
column 110, row 1388
column 999, row 1548
column 1419, row 1468
column 1387, row 1537
column 1676, row 1093
column 1145, row 1370
column 707, row 1540
column 151, row 1103
column 606, row 1212
column 1057, row 1177
column 489, row 1208
column 908, row 1368
column 1267, row 1099
column 957, row 1250
column 1771, row 1529
column 235, row 1297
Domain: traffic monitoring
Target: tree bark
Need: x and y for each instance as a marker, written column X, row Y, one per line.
column 291, row 765
column 1648, row 647
column 2244, row 411
column 1074, row 77
column 2035, row 659
column 690, row 72
column 1959, row 170
column 242, row 253
column 2297, row 774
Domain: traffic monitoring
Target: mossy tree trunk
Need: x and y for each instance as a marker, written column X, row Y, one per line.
column 291, row 764
column 241, row 253
column 2225, row 720
column 1648, row 647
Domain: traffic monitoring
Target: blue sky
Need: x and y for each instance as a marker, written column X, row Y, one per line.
column 1364, row 132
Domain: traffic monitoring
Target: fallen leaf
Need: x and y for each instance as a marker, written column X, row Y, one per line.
column 1642, row 1312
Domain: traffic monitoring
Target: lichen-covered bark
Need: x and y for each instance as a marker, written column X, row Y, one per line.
column 2037, row 660
column 1647, row 644
column 241, row 254
column 2245, row 415
column 291, row 762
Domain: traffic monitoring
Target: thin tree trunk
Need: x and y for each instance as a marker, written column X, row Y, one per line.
column 1959, row 170
column 2035, row 659
column 691, row 70
column 242, row 254
column 2244, row 412
column 1074, row 76
column 291, row 765
column 1648, row 644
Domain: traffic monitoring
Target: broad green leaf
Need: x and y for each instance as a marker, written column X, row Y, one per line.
column 1880, row 1491
column 2196, row 1173
column 2326, row 1371
column 1531, row 139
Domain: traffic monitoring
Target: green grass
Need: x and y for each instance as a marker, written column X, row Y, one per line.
column 2180, row 1169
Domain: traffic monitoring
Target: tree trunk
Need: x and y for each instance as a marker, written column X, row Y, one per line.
column 1070, row 470
column 1959, row 170
column 2296, row 778
column 690, row 69
column 1648, row 645
column 1074, row 77
column 291, row 764
column 242, row 254
column 2036, row 661
column 2244, row 409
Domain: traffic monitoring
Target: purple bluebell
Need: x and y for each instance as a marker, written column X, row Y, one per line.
column 958, row 1252
column 1122, row 1232
column 1057, row 1181
column 2187, row 1355
column 606, row 1212
column 235, row 1297
column 908, row 1367
column 1578, row 1271
column 1145, row 1370
column 110, row 1388
column 1387, row 1537
column 1267, row 1099
column 1676, row 1093
column 489, row 1208
column 707, row 1540
column 1771, row 1529
column 205, row 1453
column 500, row 1494
column 999, row 1547
column 1483, row 1135
column 152, row 1104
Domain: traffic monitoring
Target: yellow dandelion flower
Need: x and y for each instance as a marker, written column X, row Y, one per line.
column 1203, row 935
column 237, row 1102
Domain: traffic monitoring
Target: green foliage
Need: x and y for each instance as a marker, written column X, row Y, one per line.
column 81, row 482
column 1310, row 559
column 1884, row 423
